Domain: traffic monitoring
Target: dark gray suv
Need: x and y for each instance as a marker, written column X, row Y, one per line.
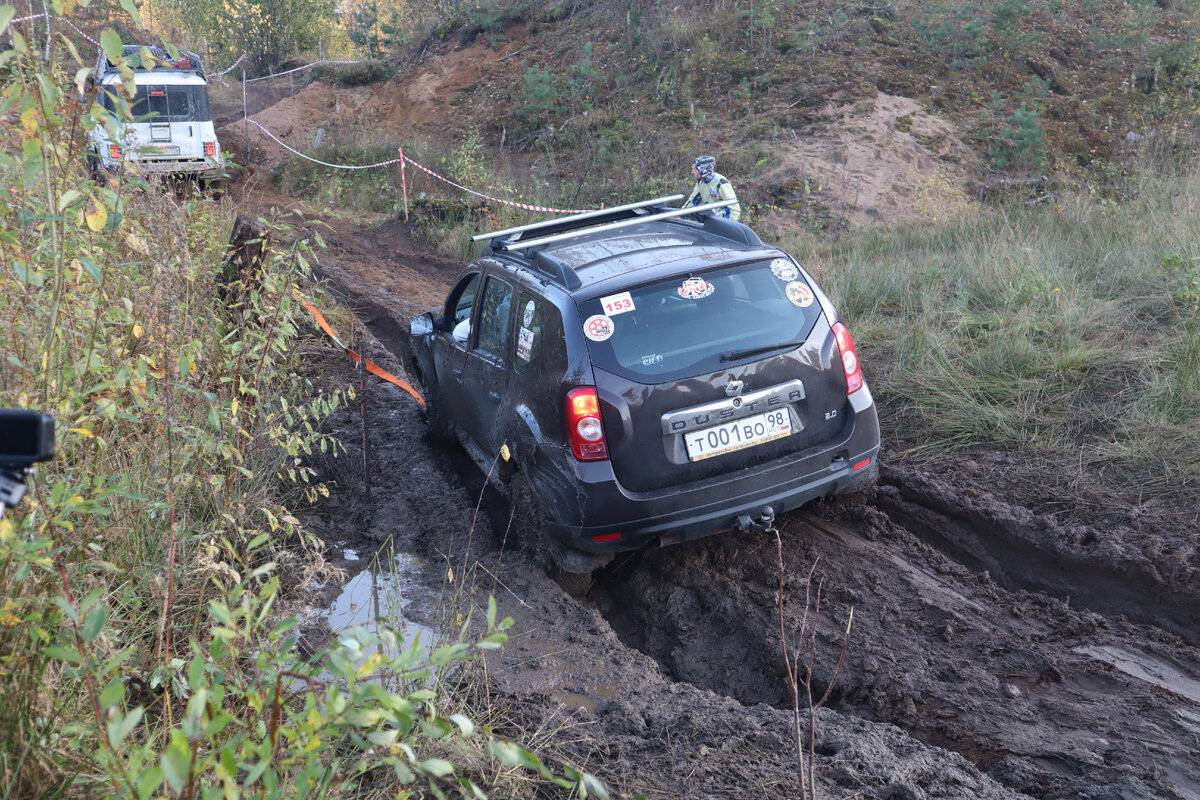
column 644, row 373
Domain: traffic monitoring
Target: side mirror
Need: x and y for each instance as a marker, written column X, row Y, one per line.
column 421, row 326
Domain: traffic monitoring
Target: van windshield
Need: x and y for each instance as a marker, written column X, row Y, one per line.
column 700, row 322
column 168, row 103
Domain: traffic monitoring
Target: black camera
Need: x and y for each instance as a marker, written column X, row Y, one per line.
column 26, row 437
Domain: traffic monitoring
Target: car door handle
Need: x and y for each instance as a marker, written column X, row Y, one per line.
column 458, row 373
column 494, row 397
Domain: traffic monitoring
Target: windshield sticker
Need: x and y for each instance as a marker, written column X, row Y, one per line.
column 784, row 270
column 651, row 360
column 527, row 318
column 599, row 328
column 525, row 342
column 695, row 289
column 799, row 293
column 617, row 303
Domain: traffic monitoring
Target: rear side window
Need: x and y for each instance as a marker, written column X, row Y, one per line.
column 541, row 347
column 700, row 322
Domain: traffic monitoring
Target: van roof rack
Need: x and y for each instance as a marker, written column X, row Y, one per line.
column 623, row 223
column 186, row 62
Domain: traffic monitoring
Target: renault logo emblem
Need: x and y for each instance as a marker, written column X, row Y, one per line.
column 733, row 388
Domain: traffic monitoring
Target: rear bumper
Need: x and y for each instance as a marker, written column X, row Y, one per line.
column 698, row 510
column 203, row 168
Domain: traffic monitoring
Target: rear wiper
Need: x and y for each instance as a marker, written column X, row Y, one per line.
column 734, row 355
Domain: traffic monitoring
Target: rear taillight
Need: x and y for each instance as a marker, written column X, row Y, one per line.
column 210, row 149
column 583, row 425
column 114, row 151
column 854, row 379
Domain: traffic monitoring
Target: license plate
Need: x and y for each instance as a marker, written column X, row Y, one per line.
column 171, row 150
column 738, row 435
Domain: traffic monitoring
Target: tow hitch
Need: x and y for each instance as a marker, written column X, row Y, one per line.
column 764, row 523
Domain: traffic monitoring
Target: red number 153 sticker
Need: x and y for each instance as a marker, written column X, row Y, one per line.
column 617, row 303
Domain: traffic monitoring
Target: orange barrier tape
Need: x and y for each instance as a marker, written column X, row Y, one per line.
column 366, row 363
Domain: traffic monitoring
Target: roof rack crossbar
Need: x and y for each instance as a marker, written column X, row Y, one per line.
column 558, row 237
column 574, row 217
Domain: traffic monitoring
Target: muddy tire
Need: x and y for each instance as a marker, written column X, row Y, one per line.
column 440, row 426
column 571, row 569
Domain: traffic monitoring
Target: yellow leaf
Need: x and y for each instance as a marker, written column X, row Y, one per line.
column 96, row 215
column 370, row 665
column 137, row 244
column 83, row 432
column 29, row 123
column 138, row 330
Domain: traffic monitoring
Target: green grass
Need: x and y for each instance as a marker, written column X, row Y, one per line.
column 1065, row 331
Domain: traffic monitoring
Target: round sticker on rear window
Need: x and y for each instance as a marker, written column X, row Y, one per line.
column 598, row 328
column 799, row 293
column 695, row 289
column 784, row 271
column 527, row 318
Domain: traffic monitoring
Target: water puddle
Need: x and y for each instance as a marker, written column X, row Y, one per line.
column 378, row 598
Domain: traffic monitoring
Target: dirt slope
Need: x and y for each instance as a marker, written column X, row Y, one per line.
column 887, row 159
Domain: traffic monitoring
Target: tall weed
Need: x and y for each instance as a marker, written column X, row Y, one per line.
column 144, row 647
column 1065, row 331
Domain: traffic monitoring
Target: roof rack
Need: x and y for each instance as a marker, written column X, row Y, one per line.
column 575, row 218
column 558, row 237
column 186, row 62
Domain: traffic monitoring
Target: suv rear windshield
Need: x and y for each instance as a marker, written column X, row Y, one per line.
column 169, row 103
column 700, row 322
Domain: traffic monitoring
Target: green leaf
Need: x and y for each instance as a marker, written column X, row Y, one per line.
column 63, row 654
column 6, row 15
column 195, row 673
column 491, row 612
column 110, row 42
column 177, row 761
column 67, row 608
column 436, row 767
column 592, row 785
column 217, row 724
column 148, row 785
column 113, row 693
column 121, row 725
column 464, row 724
column 93, row 626
column 68, row 199
column 132, row 10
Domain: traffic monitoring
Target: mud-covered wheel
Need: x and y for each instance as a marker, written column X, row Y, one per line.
column 440, row 426
column 570, row 568
column 95, row 171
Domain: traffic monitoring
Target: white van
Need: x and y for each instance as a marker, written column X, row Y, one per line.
column 172, row 130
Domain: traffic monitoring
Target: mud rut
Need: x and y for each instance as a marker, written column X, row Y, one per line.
column 1054, row 664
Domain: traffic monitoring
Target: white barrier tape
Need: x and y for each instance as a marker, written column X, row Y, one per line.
column 81, row 33
column 227, row 69
column 403, row 158
column 298, row 69
column 316, row 161
column 61, row 19
column 525, row 206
